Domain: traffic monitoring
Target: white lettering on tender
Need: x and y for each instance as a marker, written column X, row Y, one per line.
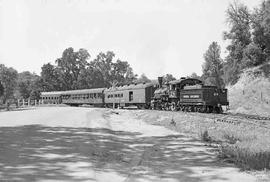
column 194, row 96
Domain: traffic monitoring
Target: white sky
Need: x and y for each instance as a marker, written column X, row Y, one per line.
column 155, row 36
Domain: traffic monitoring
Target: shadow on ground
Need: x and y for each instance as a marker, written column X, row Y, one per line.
column 35, row 152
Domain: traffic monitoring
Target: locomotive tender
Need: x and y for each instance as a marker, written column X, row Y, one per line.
column 186, row 94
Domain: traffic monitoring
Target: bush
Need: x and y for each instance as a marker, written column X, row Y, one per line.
column 230, row 138
column 205, row 136
column 253, row 56
column 246, row 156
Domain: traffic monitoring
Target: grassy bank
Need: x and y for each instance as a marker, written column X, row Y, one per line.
column 246, row 145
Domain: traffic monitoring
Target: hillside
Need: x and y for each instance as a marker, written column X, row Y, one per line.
column 251, row 94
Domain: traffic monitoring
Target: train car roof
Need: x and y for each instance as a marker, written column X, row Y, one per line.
column 51, row 93
column 130, row 87
column 83, row 91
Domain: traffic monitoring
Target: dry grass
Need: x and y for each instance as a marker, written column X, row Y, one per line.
column 251, row 94
column 248, row 146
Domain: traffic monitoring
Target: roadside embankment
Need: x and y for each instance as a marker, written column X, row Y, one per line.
column 245, row 142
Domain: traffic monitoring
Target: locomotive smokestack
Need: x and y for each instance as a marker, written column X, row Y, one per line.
column 160, row 81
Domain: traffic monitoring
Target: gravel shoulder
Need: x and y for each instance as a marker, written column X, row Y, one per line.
column 91, row 144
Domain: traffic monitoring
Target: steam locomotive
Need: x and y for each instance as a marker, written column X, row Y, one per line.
column 189, row 94
column 185, row 94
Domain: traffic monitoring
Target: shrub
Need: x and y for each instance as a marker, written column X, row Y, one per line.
column 246, row 156
column 205, row 136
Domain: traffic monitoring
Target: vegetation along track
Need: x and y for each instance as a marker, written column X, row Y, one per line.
column 235, row 119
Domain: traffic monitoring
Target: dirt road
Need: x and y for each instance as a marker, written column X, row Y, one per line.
column 86, row 144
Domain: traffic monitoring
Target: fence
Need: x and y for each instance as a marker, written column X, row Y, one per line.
column 261, row 96
column 29, row 102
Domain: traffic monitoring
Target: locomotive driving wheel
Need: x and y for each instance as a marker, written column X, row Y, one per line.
column 173, row 106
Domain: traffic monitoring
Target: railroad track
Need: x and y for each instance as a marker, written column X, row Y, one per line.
column 255, row 117
column 235, row 119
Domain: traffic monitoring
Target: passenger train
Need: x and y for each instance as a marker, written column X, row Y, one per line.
column 185, row 94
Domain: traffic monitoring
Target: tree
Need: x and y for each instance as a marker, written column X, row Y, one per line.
column 194, row 75
column 50, row 78
column 26, row 82
column 35, row 95
column 122, row 72
column 90, row 78
column 261, row 31
column 8, row 79
column 212, row 67
column 239, row 35
column 70, row 65
column 1, row 89
column 168, row 77
column 107, row 71
column 143, row 79
column 253, row 56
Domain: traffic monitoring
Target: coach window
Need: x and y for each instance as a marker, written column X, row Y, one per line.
column 131, row 96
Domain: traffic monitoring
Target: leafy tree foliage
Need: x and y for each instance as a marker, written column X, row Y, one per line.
column 249, row 36
column 261, row 31
column 239, row 35
column 69, row 67
column 50, row 78
column 26, row 84
column 212, row 67
column 73, row 71
column 107, row 71
column 8, row 78
column 143, row 79
column 168, row 77
column 35, row 94
column 194, row 75
column 1, row 89
column 252, row 56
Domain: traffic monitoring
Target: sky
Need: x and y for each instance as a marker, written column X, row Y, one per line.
column 156, row 37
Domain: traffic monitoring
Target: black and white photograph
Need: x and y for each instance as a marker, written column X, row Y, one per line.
column 134, row 90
